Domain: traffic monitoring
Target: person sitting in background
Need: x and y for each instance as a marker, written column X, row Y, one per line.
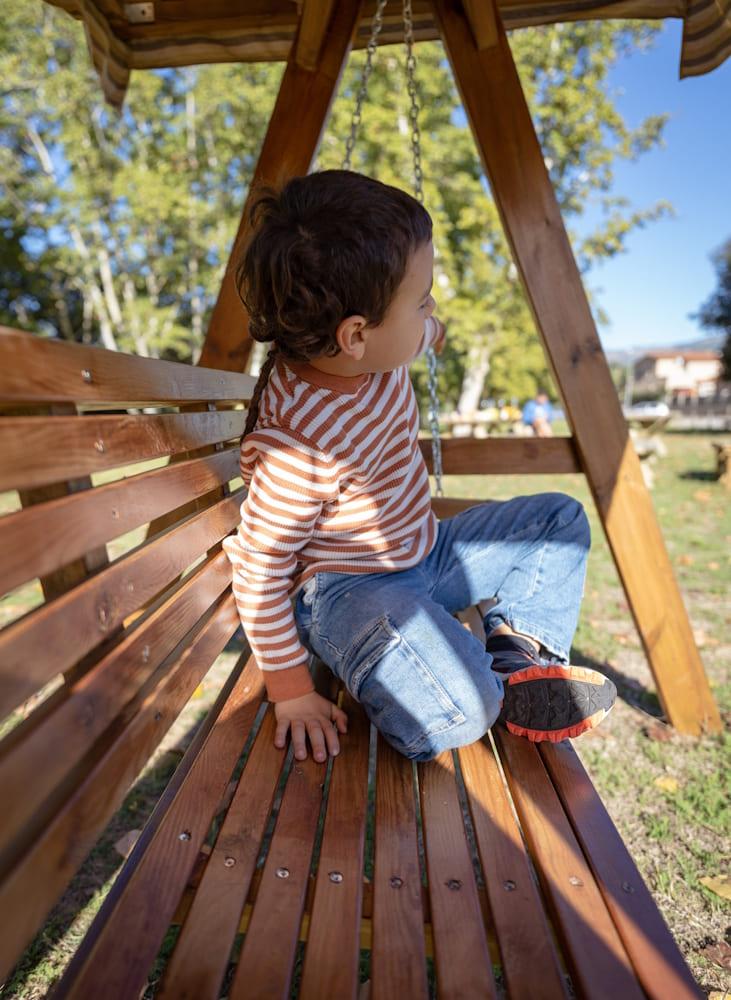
column 538, row 414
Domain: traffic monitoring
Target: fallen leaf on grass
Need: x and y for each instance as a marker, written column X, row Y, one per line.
column 667, row 783
column 198, row 693
column 718, row 995
column 702, row 496
column 125, row 844
column 686, row 560
column 718, row 884
column 657, row 731
column 719, row 953
column 713, row 565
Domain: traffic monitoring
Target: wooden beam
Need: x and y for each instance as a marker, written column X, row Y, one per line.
column 509, row 456
column 289, row 148
column 314, row 21
column 507, row 141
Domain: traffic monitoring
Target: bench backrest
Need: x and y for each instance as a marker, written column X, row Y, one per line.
column 110, row 576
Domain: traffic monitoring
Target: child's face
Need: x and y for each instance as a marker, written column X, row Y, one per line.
column 396, row 340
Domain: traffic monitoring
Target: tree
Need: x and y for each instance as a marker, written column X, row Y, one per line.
column 715, row 313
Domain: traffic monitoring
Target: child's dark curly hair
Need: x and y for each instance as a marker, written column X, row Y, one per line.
column 326, row 246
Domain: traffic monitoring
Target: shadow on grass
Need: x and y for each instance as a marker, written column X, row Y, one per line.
column 629, row 689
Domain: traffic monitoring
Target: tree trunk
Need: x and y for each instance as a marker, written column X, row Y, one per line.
column 478, row 366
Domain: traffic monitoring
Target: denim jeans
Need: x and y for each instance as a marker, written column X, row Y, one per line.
column 422, row 678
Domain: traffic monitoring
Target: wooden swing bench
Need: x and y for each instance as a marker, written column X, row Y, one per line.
column 498, row 862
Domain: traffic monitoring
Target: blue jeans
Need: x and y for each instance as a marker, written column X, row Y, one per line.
column 422, row 678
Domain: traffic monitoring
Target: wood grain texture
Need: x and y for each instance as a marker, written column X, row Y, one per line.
column 263, row 970
column 196, row 969
column 34, row 773
column 504, row 456
column 48, row 862
column 597, row 959
column 528, row 956
column 38, row 540
column 655, row 956
column 314, row 21
column 398, row 959
column 463, row 964
column 500, row 119
column 29, row 446
column 54, row 637
column 36, row 369
column 331, row 965
column 288, row 150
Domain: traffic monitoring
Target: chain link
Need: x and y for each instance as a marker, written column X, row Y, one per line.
column 431, row 359
column 376, row 26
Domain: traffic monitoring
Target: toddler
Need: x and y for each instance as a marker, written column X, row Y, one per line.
column 338, row 551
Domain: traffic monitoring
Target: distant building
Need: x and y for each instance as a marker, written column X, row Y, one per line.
column 678, row 374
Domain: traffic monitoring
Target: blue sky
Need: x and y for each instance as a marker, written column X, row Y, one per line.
column 666, row 272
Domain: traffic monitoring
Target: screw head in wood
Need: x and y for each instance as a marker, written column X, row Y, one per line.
column 86, row 374
column 185, row 835
column 336, row 876
column 395, row 882
column 282, row 873
column 575, row 880
column 229, row 862
column 453, row 884
column 508, row 885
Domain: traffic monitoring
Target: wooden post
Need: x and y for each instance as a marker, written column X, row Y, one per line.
column 289, row 148
column 510, row 151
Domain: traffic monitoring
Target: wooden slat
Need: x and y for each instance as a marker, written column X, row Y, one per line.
column 504, row 456
column 650, row 945
column 266, row 962
column 29, row 446
column 198, row 963
column 36, row 881
column 331, row 966
column 51, row 754
column 506, row 138
column 55, row 636
column 288, row 150
column 35, row 369
column 464, row 968
column 36, row 541
column 482, row 21
column 115, row 957
column 597, row 959
column 529, row 961
column 398, row 958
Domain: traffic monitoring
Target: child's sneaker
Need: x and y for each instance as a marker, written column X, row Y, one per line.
column 547, row 701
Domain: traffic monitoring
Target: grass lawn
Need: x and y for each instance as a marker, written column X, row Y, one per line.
column 667, row 794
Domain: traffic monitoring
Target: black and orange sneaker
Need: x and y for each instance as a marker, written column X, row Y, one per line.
column 547, row 701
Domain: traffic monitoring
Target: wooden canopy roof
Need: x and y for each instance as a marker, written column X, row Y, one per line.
column 153, row 34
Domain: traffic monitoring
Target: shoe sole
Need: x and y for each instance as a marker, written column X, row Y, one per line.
column 555, row 703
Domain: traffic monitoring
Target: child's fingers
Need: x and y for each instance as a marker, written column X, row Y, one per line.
column 280, row 736
column 340, row 719
column 298, row 739
column 314, row 731
column 331, row 736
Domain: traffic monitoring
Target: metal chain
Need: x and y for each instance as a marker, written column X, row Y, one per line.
column 431, row 359
column 376, row 26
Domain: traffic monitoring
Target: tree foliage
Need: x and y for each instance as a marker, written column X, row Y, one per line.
column 116, row 228
column 715, row 313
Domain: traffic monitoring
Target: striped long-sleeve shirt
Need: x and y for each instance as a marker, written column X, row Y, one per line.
column 336, row 482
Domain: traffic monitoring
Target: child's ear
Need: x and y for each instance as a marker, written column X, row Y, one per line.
column 351, row 337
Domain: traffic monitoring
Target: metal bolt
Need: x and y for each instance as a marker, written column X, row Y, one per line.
column 627, row 887
column 282, row 872
column 185, row 835
column 115, row 513
column 229, row 862
column 508, row 885
column 575, row 880
column 86, row 374
column 158, row 716
column 336, row 876
column 396, row 882
column 145, row 654
column 99, row 445
column 454, row 884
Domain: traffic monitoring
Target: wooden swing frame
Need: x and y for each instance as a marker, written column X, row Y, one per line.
column 507, row 842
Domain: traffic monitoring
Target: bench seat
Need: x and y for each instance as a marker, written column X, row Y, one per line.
column 490, row 871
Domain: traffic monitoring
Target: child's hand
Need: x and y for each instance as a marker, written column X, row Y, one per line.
column 320, row 717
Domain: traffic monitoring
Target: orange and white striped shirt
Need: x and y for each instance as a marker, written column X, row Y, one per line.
column 336, row 482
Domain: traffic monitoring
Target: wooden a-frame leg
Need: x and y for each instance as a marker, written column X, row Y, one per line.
column 500, row 119
column 289, row 148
